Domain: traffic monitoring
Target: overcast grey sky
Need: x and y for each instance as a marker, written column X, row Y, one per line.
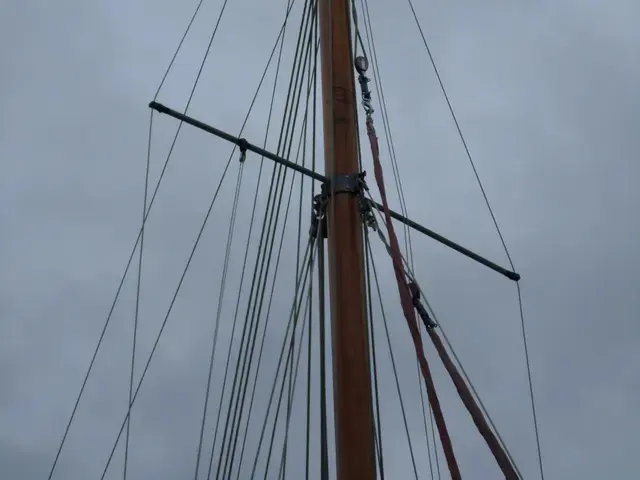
column 546, row 93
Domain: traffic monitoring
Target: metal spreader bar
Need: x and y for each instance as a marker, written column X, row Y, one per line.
column 244, row 145
column 452, row 245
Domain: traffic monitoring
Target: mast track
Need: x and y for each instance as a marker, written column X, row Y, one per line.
column 245, row 146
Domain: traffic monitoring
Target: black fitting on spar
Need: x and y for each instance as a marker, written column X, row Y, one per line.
column 158, row 107
column 427, row 321
column 243, row 145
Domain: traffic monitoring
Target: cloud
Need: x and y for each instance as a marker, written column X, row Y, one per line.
column 546, row 97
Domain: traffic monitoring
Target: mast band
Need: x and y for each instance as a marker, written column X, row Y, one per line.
column 346, row 183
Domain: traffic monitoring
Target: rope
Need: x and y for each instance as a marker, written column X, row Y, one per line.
column 408, row 310
column 395, row 167
column 500, row 453
column 465, row 395
column 465, row 378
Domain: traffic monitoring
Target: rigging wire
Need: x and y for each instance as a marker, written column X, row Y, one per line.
column 309, row 63
column 124, row 275
column 280, row 249
column 395, row 167
column 460, row 134
column 372, row 343
column 230, row 464
column 308, row 275
column 167, row 315
column 424, row 420
column 260, row 274
column 294, row 374
column 279, row 41
column 126, row 270
column 295, row 307
column 498, row 230
column 141, row 241
column 308, row 406
column 324, row 455
column 322, row 333
column 177, row 51
column 393, row 362
column 407, row 307
column 319, row 233
column 223, row 280
column 358, row 37
column 287, row 209
column 138, row 285
column 120, row 285
column 403, row 206
column 396, row 175
column 270, row 224
column 258, row 361
column 261, row 350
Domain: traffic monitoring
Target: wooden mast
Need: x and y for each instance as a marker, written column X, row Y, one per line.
column 353, row 408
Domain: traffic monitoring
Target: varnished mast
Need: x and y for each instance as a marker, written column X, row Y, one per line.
column 353, row 407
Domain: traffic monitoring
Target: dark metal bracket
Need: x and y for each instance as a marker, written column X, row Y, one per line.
column 337, row 184
column 348, row 183
column 428, row 323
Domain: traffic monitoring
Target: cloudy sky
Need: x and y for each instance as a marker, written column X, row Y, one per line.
column 546, row 93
